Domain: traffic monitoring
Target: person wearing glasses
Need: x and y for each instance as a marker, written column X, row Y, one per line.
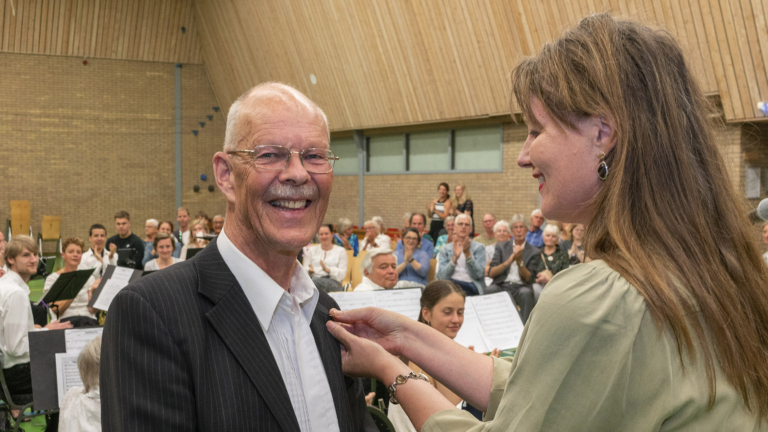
column 231, row 327
column 412, row 262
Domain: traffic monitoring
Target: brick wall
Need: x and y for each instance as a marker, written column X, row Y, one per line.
column 82, row 142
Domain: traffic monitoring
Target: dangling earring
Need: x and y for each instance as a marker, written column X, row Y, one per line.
column 602, row 168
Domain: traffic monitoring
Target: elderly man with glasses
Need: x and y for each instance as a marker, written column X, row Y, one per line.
column 235, row 339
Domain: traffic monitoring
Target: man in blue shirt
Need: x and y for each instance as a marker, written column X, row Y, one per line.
column 534, row 235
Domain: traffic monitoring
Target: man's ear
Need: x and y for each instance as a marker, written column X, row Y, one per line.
column 224, row 175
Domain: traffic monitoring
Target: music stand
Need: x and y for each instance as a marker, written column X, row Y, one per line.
column 192, row 252
column 126, row 257
column 67, row 287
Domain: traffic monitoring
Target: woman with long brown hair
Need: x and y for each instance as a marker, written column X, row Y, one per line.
column 667, row 327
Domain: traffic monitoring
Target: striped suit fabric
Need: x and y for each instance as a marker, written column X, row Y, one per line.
column 183, row 351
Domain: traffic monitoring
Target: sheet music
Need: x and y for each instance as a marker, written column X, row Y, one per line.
column 500, row 321
column 353, row 300
column 471, row 333
column 67, row 374
column 119, row 279
column 402, row 301
column 77, row 339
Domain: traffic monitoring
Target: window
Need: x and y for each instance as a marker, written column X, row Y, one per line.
column 386, row 154
column 346, row 150
column 429, row 151
column 478, row 149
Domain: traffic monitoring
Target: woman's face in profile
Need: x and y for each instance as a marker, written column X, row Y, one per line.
column 564, row 161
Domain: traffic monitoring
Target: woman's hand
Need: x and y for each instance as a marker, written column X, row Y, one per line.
column 388, row 329
column 325, row 268
column 541, row 278
column 361, row 357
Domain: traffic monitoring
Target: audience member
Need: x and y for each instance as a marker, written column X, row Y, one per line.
column 345, row 237
column 201, row 215
column 164, row 245
column 125, row 239
column 77, row 307
column 575, row 246
column 326, row 262
column 81, row 408
column 534, row 235
column 462, row 203
column 379, row 221
column 765, row 240
column 513, row 268
column 97, row 256
column 443, row 238
column 487, row 237
column 406, row 221
column 565, row 233
column 379, row 268
column 413, row 263
column 417, row 222
column 463, row 260
column 150, row 230
column 3, row 265
column 167, row 227
column 16, row 319
column 502, row 232
column 373, row 238
column 551, row 259
column 182, row 217
column 197, row 241
column 439, row 208
column 218, row 224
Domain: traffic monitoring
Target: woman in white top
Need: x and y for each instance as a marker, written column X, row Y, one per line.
column 765, row 240
column 374, row 238
column 164, row 246
column 73, row 253
column 81, row 407
column 199, row 227
column 326, row 262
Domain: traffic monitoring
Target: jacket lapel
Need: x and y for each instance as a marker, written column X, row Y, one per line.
column 330, row 353
column 236, row 324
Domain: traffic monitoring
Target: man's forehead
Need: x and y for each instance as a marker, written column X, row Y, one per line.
column 384, row 257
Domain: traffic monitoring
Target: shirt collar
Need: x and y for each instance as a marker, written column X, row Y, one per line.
column 369, row 282
column 14, row 278
column 262, row 291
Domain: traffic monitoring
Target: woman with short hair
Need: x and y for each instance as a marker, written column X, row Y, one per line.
column 413, row 263
column 167, row 227
column 81, row 408
column 374, row 238
column 78, row 307
column 552, row 260
column 345, row 237
column 164, row 246
column 666, row 328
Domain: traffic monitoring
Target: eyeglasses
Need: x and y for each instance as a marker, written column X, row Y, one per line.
column 274, row 157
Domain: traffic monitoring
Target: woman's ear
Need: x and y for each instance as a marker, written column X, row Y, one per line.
column 606, row 133
column 426, row 314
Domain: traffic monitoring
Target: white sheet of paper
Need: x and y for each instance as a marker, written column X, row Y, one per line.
column 353, row 300
column 67, row 374
column 500, row 321
column 108, row 292
column 122, row 275
column 471, row 333
column 77, row 339
column 402, row 301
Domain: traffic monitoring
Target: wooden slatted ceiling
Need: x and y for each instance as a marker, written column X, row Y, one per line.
column 146, row 30
column 384, row 63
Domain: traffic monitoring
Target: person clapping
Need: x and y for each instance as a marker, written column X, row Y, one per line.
column 413, row 263
column 326, row 263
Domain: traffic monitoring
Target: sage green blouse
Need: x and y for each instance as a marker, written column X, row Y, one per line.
column 592, row 359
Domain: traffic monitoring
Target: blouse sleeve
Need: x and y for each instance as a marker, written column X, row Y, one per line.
column 574, row 365
column 340, row 271
column 423, row 259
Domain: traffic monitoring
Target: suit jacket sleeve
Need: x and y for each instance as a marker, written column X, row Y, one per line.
column 157, row 393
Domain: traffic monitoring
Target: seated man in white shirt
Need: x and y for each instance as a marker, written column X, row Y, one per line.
column 97, row 257
column 379, row 268
column 16, row 315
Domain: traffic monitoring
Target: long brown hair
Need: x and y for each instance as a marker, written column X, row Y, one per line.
column 436, row 291
column 667, row 218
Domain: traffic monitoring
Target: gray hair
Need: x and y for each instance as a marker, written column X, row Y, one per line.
column 407, row 216
column 463, row 216
column 233, row 135
column 375, row 225
column 537, row 212
column 344, row 224
column 518, row 218
column 551, row 228
column 378, row 221
column 218, row 217
column 153, row 222
column 88, row 364
column 503, row 224
column 449, row 218
column 367, row 262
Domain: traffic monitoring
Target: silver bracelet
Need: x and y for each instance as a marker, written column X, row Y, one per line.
column 401, row 379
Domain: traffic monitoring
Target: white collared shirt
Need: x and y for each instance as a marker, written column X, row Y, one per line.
column 335, row 259
column 368, row 285
column 284, row 317
column 91, row 261
column 16, row 319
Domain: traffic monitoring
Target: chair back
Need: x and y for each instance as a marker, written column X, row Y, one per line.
column 350, row 263
column 432, row 269
column 51, row 228
column 20, row 217
column 380, row 420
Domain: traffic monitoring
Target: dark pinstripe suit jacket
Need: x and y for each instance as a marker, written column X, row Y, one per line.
column 183, row 351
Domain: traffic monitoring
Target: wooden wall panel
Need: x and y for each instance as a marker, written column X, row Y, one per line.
column 383, row 63
column 145, row 30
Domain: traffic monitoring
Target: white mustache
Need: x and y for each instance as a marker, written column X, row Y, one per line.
column 279, row 191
